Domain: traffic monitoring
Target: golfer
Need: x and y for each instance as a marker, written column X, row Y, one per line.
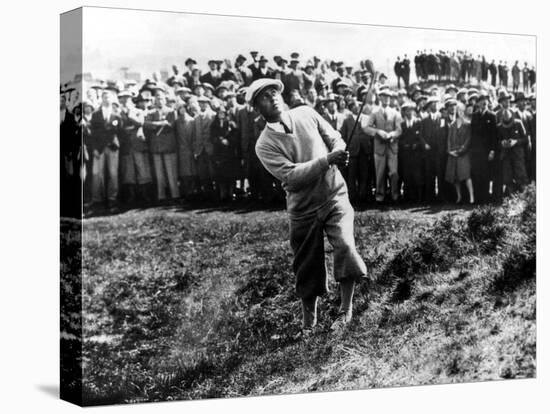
column 303, row 151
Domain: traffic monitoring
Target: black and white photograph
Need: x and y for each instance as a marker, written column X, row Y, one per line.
column 257, row 206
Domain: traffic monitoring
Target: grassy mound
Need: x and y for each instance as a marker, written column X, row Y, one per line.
column 191, row 305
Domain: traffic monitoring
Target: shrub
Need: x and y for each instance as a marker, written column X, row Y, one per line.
column 486, row 228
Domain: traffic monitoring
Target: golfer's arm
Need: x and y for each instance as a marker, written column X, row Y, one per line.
column 293, row 175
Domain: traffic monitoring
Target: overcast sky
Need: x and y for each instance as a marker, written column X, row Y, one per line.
column 148, row 41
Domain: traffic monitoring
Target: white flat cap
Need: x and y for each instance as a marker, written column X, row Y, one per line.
column 259, row 85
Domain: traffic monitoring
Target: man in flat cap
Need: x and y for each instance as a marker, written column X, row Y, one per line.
column 303, row 151
column 385, row 125
column 159, row 129
column 482, row 147
column 512, row 140
column 106, row 128
column 434, row 139
column 135, row 167
column 526, row 118
column 202, row 146
column 411, row 154
column 360, row 151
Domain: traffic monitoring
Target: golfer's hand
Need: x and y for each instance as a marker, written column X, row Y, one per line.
column 338, row 157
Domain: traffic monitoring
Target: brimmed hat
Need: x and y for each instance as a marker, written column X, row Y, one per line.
column 181, row 89
column 85, row 103
column 263, row 59
column 482, row 95
column 462, row 90
column 331, row 97
column 259, row 85
column 384, row 92
column 408, row 105
column 450, row 101
column 190, row 60
column 140, row 98
column 504, row 95
column 206, row 85
column 240, row 57
column 124, row 94
column 203, row 99
column 421, row 98
column 342, row 83
column 431, row 100
column 520, row 96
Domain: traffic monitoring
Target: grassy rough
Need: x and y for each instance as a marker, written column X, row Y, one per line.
column 201, row 304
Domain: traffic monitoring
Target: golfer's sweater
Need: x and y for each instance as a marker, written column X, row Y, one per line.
column 299, row 160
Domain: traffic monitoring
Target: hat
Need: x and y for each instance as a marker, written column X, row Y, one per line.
column 451, row 87
column 112, row 87
column 182, row 89
column 212, row 61
column 230, row 95
column 462, row 90
column 140, row 98
column 331, row 97
column 203, row 99
column 473, row 96
column 342, row 83
column 408, row 105
column 190, row 60
column 295, row 55
column 421, row 98
column 483, row 95
column 259, row 85
column 240, row 57
column 157, row 88
column 85, row 103
column 309, row 64
column 382, row 76
column 263, row 59
column 503, row 96
column 253, row 53
column 206, row 85
column 125, row 94
column 520, row 96
column 450, row 101
column 431, row 100
column 361, row 91
column 472, row 91
column 384, row 92
column 433, row 88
